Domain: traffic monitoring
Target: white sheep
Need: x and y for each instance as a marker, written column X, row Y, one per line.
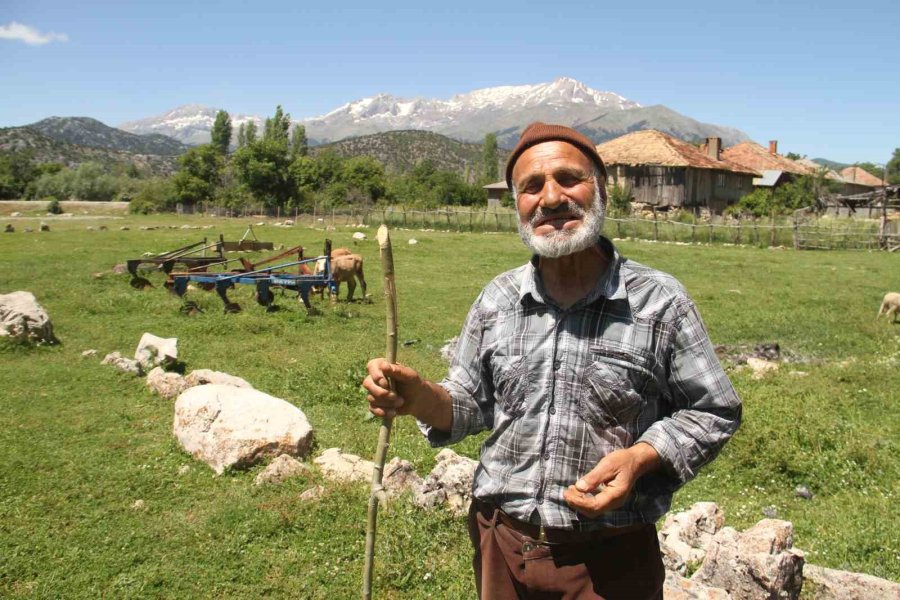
column 890, row 305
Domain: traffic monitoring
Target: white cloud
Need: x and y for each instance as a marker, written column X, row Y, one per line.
column 29, row 35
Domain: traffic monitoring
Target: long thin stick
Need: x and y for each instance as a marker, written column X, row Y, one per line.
column 384, row 433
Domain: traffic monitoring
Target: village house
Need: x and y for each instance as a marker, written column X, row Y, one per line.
column 776, row 170
column 662, row 172
column 495, row 193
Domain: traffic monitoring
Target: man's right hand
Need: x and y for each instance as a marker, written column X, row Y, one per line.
column 382, row 401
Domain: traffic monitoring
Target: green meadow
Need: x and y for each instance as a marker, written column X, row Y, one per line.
column 82, row 442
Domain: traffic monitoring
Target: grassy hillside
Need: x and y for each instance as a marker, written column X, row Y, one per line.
column 83, row 442
column 400, row 151
column 48, row 150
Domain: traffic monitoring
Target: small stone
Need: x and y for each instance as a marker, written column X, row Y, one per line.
column 138, row 505
column 184, row 469
column 770, row 512
column 359, row 235
column 282, row 468
column 413, row 241
column 801, row 491
column 89, row 353
column 9, row 228
column 313, row 493
column 124, row 228
column 45, row 227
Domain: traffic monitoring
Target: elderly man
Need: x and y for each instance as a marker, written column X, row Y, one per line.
column 597, row 381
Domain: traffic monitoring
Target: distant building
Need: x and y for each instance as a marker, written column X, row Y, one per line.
column 495, row 193
column 860, row 176
column 665, row 172
column 753, row 156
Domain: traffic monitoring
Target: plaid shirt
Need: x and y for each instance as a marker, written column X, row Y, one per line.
column 561, row 388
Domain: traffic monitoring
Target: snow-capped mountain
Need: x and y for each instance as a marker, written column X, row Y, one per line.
column 189, row 124
column 503, row 110
column 470, row 116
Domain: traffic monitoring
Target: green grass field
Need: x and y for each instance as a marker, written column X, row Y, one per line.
column 82, row 442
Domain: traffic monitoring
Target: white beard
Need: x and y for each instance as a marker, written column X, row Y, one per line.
column 563, row 242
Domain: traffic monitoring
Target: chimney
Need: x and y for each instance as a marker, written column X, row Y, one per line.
column 773, row 147
column 714, row 147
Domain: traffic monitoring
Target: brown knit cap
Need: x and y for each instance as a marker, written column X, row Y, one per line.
column 538, row 132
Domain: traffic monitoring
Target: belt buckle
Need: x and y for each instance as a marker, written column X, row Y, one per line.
column 542, row 536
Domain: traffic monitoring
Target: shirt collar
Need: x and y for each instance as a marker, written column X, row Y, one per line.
column 610, row 285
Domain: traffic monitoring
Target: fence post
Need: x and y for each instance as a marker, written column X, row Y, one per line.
column 796, row 235
column 739, row 233
column 655, row 225
column 710, row 231
column 773, row 240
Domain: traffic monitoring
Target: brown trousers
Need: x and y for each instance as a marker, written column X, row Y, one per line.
column 509, row 565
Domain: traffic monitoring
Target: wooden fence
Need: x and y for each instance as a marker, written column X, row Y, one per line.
column 801, row 234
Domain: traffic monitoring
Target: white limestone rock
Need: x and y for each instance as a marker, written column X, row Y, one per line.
column 22, row 318
column 448, row 484
column 153, row 351
column 207, row 377
column 168, row 385
column 399, row 475
column 232, row 427
column 684, row 536
column 677, row 587
column 359, row 235
column 282, row 468
column 761, row 367
column 831, row 584
column 126, row 365
column 337, row 466
column 757, row 564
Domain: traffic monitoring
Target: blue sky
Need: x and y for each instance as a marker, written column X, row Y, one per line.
column 822, row 78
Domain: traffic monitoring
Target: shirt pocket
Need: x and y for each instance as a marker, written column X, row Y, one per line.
column 615, row 385
column 510, row 379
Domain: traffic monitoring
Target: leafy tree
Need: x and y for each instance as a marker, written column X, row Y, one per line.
column 16, row 171
column 250, row 132
column 893, row 168
column 153, row 195
column 794, row 156
column 221, row 132
column 278, row 126
column 242, row 137
column 262, row 167
column 299, row 143
column 198, row 174
column 365, row 177
column 491, row 171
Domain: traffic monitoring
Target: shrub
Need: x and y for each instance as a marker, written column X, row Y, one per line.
column 53, row 206
column 619, row 200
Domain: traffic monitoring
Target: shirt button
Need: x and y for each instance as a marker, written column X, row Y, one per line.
column 546, row 456
column 552, row 410
column 557, row 364
column 540, row 499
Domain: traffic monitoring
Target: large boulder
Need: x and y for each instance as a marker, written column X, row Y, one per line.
column 449, row 483
column 831, row 584
column 167, row 385
column 207, row 377
column 757, row 564
column 338, row 466
column 684, row 536
column 23, row 319
column 153, row 351
column 231, row 427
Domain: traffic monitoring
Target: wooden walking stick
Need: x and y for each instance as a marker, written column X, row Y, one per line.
column 384, row 433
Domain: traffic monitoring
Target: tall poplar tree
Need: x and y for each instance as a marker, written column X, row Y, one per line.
column 278, row 127
column 242, row 137
column 221, row 132
column 491, row 171
column 299, row 143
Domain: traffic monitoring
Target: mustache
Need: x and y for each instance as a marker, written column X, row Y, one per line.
column 569, row 209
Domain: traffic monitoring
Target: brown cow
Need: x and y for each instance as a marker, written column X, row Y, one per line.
column 347, row 268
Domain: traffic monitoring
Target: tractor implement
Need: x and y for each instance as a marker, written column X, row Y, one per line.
column 265, row 280
column 183, row 256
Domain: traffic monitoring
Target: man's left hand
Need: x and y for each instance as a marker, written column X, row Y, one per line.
column 608, row 485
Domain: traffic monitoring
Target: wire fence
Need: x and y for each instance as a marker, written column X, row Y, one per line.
column 800, row 233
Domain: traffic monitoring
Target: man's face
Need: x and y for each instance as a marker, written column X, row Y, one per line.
column 559, row 201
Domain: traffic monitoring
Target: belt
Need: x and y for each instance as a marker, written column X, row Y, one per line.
column 551, row 535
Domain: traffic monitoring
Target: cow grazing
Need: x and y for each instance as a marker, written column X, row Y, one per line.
column 890, row 306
